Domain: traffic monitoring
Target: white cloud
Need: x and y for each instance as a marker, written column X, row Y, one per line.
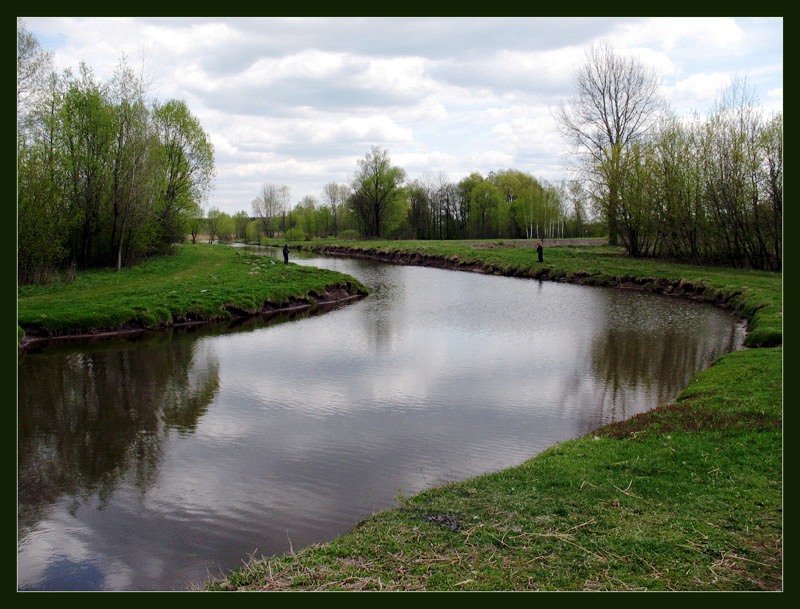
column 670, row 33
column 300, row 100
column 192, row 41
column 698, row 91
column 491, row 158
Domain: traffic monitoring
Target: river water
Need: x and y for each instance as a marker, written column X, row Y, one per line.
column 162, row 462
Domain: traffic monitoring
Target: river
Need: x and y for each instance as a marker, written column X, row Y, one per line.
column 161, row 462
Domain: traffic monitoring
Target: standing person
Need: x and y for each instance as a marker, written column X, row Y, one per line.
column 540, row 251
column 286, row 254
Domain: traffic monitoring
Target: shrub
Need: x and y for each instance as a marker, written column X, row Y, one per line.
column 349, row 235
column 296, row 234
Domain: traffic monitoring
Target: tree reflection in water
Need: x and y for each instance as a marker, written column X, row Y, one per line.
column 100, row 415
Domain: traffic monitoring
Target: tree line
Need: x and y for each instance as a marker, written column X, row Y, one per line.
column 379, row 202
column 706, row 192
column 700, row 190
column 104, row 177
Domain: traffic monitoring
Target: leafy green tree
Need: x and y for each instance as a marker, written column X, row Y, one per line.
column 464, row 201
column 87, row 121
column 253, row 232
column 212, row 223
column 226, row 227
column 377, row 187
column 736, row 171
column 770, row 180
column 677, row 195
column 419, row 212
column 554, row 212
column 133, row 168
column 335, row 196
column 103, row 178
column 241, row 220
column 524, row 199
column 323, row 221
column 307, row 216
column 196, row 224
column 42, row 216
column 186, row 169
column 485, row 202
column 636, row 212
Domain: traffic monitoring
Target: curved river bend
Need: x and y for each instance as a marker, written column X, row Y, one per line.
column 159, row 463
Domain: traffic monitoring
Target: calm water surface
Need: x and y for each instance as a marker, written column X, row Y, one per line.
column 159, row 463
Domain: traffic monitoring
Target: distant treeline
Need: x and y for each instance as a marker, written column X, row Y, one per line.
column 380, row 202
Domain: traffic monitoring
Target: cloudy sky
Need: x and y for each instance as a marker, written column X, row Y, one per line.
column 298, row 101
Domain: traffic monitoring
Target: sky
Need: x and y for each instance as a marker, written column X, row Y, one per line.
column 297, row 101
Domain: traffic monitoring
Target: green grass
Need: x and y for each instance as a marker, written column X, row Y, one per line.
column 200, row 282
column 687, row 496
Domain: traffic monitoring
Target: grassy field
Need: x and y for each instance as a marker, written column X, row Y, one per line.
column 199, row 283
column 687, row 496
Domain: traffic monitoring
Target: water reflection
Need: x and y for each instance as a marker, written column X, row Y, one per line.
column 643, row 351
column 156, row 464
column 89, row 419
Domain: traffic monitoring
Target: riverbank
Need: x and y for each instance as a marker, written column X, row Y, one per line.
column 688, row 496
column 200, row 284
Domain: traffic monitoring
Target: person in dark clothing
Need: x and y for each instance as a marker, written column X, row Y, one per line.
column 286, row 254
column 540, row 251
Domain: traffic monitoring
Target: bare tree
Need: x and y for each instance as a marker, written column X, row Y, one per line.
column 33, row 65
column 616, row 102
column 270, row 203
column 336, row 196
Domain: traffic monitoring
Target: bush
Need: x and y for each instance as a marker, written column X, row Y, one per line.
column 296, row 234
column 349, row 235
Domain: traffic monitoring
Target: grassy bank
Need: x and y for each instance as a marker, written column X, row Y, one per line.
column 688, row 496
column 199, row 283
